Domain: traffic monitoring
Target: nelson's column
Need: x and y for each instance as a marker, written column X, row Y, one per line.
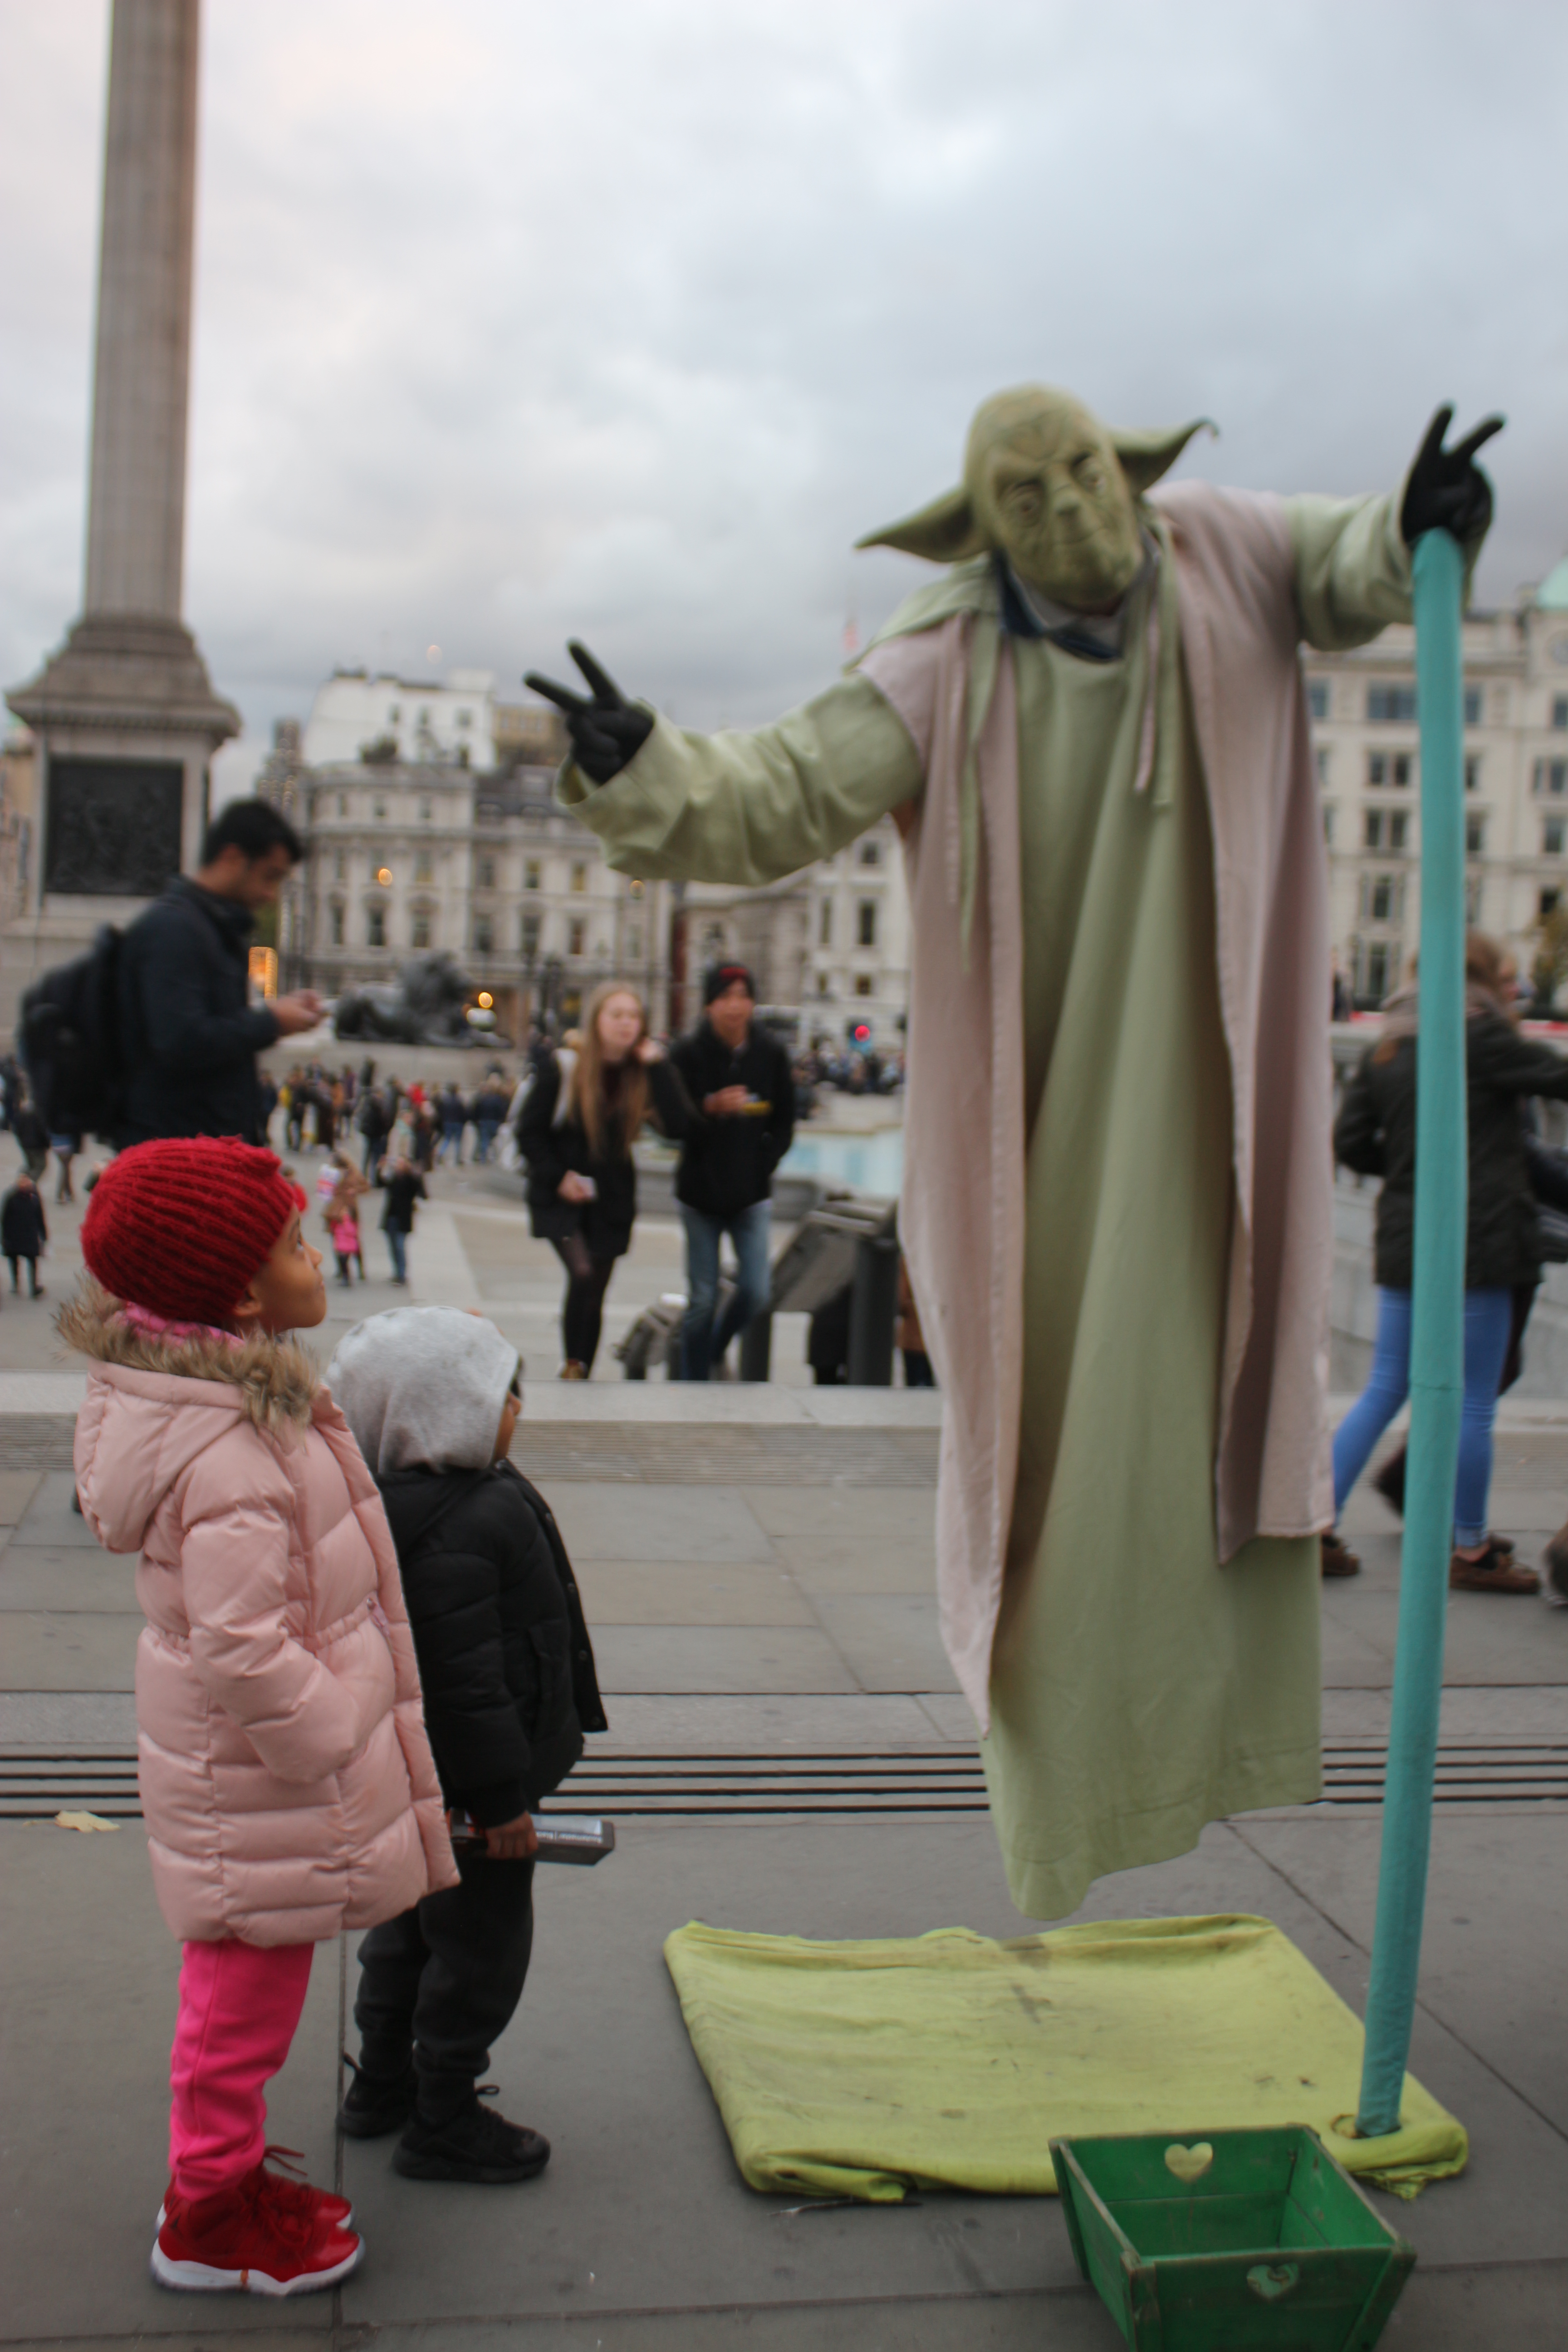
column 124, row 715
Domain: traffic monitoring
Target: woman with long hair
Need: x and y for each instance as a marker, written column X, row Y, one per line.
column 1375, row 1135
column 585, row 1112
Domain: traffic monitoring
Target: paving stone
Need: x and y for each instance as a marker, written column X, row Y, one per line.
column 67, row 1577
column 680, row 1523
column 58, row 1651
column 890, row 1642
column 17, row 1488
column 670, row 1592
column 718, row 1658
column 49, row 1518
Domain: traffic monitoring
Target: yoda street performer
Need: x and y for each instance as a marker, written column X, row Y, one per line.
column 1116, row 1207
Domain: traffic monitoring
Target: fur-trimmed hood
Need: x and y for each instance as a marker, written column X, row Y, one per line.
column 277, row 1381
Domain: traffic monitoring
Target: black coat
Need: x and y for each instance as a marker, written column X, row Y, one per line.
column 728, row 1163
column 552, row 1146
column 402, row 1195
column 189, row 1033
column 1375, row 1135
column 23, row 1231
column 505, row 1661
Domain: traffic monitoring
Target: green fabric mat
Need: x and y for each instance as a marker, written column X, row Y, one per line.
column 948, row 2060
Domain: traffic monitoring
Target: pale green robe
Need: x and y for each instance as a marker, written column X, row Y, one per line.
column 1139, row 1689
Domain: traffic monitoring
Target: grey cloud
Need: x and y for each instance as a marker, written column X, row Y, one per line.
column 515, row 322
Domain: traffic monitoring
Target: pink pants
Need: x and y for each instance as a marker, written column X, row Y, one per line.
column 240, row 2008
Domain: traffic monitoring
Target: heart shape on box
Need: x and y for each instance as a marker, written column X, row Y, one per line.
column 1189, row 2163
column 1271, row 2280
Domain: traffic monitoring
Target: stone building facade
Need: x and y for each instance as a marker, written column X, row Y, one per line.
column 1366, row 745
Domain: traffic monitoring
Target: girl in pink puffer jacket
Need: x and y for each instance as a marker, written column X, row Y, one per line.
column 285, row 1779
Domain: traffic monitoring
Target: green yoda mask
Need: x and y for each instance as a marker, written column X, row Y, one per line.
column 1047, row 485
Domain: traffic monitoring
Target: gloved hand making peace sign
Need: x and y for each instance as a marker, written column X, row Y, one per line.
column 607, row 732
column 1447, row 489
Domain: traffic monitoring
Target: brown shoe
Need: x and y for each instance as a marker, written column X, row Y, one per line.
column 1497, row 1570
column 1337, row 1558
column 572, row 1370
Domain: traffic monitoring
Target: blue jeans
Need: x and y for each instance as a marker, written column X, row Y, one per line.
column 702, row 1344
column 487, row 1128
column 1488, row 1318
column 452, row 1139
column 397, row 1243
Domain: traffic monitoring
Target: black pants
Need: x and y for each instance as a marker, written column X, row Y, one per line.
column 32, row 1265
column 446, row 1977
column 582, row 1309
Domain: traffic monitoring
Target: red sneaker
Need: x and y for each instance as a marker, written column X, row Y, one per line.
column 247, row 2237
column 296, row 2195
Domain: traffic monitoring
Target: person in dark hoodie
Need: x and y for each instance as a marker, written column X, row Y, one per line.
column 432, row 1395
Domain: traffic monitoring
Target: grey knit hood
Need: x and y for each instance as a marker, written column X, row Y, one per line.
column 423, row 1385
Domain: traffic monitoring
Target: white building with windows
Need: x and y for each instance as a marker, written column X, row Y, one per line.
column 1366, row 746
column 360, row 712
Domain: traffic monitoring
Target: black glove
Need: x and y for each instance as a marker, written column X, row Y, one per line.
column 607, row 732
column 1447, row 489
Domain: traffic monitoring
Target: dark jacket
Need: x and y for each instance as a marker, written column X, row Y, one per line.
column 728, row 1163
column 189, row 1035
column 23, row 1231
column 402, row 1193
column 506, row 1665
column 1375, row 1135
column 552, row 1146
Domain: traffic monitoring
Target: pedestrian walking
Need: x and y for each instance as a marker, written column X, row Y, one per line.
column 583, row 1113
column 285, row 1779
column 23, row 1232
column 506, row 1668
column 373, row 1119
column 32, row 1136
column 65, row 1142
column 341, row 1214
column 739, row 1081
column 190, row 1032
column 404, row 1191
column 453, row 1117
column 489, row 1109
column 1375, row 1135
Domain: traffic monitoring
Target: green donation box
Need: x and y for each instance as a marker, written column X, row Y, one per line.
column 1239, row 2239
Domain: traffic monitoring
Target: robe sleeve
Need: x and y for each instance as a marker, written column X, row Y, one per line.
column 749, row 809
column 1352, row 568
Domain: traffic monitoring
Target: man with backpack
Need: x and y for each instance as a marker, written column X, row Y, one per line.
column 189, row 1035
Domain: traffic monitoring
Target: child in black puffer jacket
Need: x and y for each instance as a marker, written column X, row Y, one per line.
column 432, row 1396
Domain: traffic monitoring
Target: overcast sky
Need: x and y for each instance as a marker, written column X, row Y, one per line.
column 626, row 317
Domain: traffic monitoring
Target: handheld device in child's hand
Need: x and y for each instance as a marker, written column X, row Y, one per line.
column 581, row 1838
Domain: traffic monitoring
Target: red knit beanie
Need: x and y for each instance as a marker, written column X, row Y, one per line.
column 181, row 1226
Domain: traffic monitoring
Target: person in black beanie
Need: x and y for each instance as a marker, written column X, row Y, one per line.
column 742, row 1097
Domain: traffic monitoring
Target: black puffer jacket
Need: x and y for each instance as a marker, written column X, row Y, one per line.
column 1375, row 1135
column 505, row 1659
column 552, row 1146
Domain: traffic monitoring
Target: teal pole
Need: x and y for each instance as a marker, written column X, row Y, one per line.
column 1438, row 1337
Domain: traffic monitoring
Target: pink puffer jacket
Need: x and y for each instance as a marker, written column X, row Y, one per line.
column 285, row 1777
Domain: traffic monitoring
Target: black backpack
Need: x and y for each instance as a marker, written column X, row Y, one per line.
column 68, row 1041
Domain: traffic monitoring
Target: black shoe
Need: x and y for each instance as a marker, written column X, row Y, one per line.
column 376, row 2104
column 476, row 2144
column 1390, row 1482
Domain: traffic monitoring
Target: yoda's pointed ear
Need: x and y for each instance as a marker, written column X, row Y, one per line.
column 1146, row 456
column 943, row 533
